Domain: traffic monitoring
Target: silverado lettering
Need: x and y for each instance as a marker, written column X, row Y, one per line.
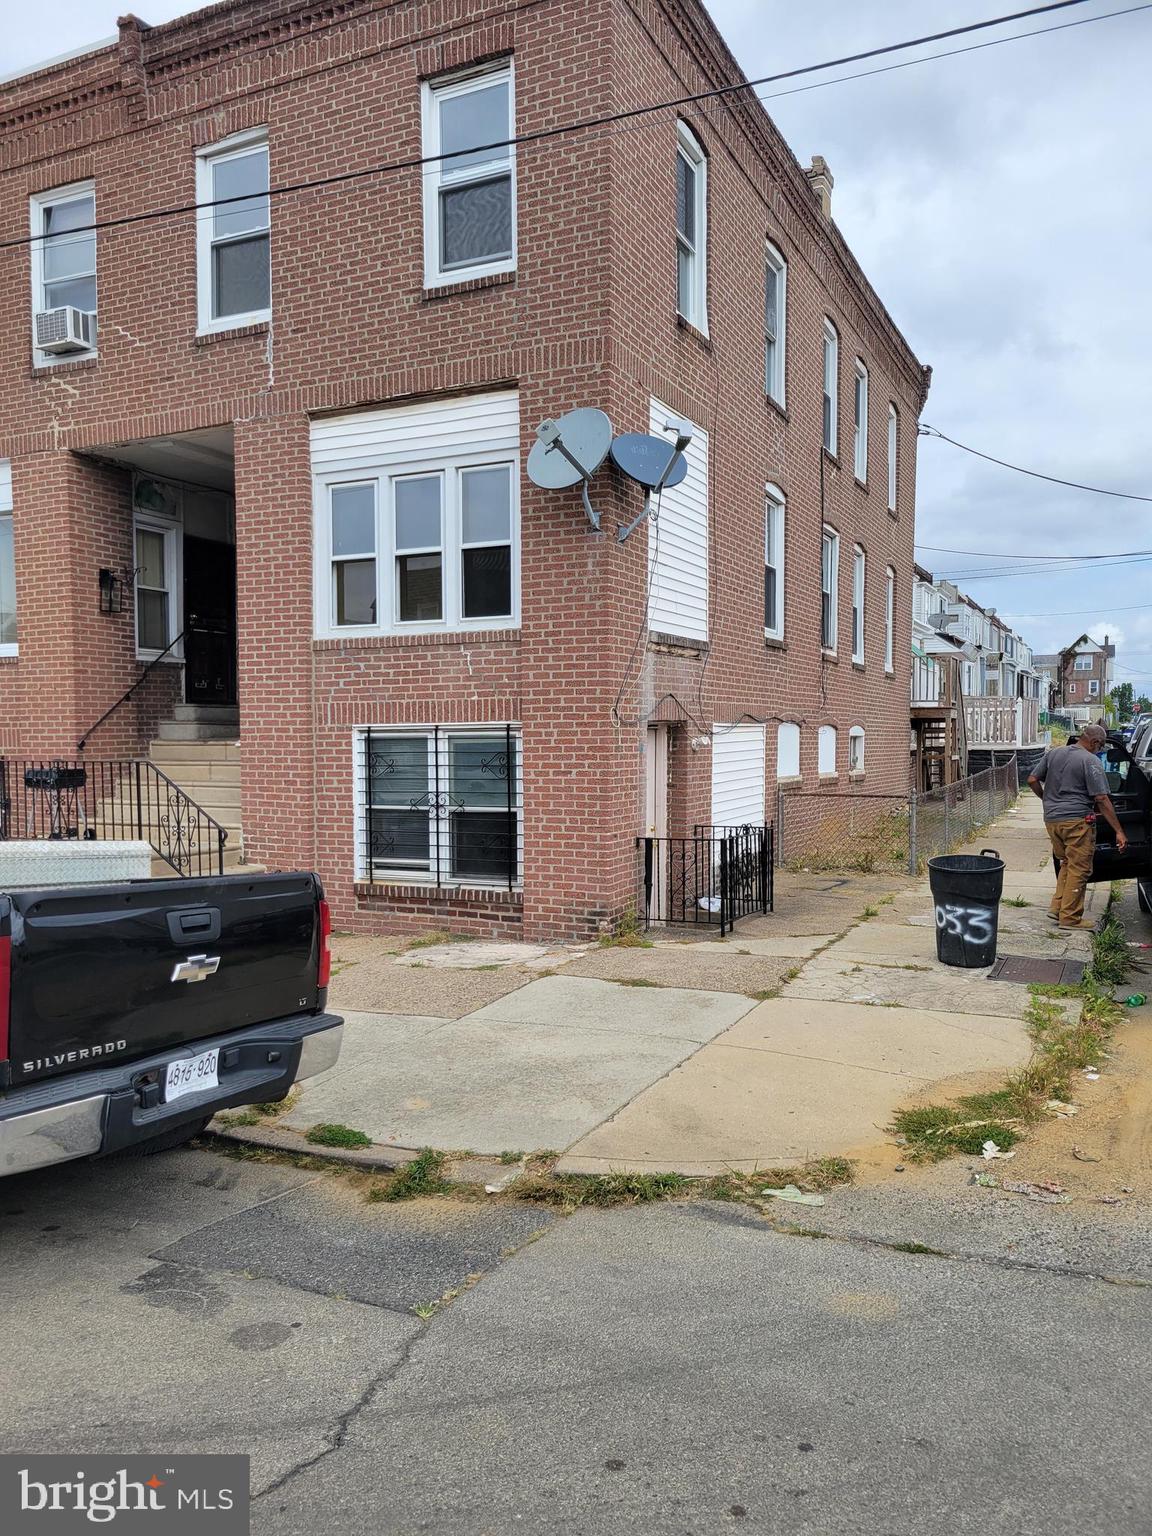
column 82, row 1055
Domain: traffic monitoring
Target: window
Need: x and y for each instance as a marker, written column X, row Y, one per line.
column 1083, row 664
column 470, row 193
column 775, row 323
column 7, row 565
column 858, row 563
column 829, row 576
column 691, row 229
column 440, row 805
column 774, row 562
column 860, row 422
column 826, row 749
column 787, row 750
column 158, row 598
column 856, row 749
column 233, row 257
column 893, row 448
column 890, row 619
column 64, row 254
column 412, row 534
column 831, row 385
column 1093, row 687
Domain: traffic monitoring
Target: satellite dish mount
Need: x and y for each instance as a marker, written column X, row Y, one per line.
column 568, row 452
column 652, row 462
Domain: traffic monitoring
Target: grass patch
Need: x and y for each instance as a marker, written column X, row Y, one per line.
column 869, row 912
column 1015, row 901
column 437, row 936
column 279, row 1106
column 765, row 994
column 1055, row 989
column 573, row 1190
column 1062, row 1046
column 628, row 934
column 422, row 1176
column 509, row 1158
column 243, row 1117
column 332, row 1134
column 485, row 967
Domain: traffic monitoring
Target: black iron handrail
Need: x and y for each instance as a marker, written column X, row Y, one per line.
column 90, row 799
column 127, row 694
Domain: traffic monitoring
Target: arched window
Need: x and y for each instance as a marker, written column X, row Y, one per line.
column 787, row 750
column 856, row 749
column 826, row 749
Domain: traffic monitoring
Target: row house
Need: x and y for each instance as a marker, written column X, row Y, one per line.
column 1079, row 679
column 287, row 291
column 976, row 689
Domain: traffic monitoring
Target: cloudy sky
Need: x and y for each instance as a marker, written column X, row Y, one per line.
column 1000, row 202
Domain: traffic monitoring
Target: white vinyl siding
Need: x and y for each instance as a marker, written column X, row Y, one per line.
column 7, row 565
column 737, row 775
column 788, row 750
column 381, row 457
column 678, row 543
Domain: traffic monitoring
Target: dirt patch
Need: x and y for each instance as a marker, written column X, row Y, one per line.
column 378, row 985
column 686, row 966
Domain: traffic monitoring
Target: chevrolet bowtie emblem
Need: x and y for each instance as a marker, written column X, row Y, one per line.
column 196, row 968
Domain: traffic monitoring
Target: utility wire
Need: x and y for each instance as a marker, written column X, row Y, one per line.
column 1000, row 554
column 580, row 126
column 1004, row 575
column 1069, row 613
column 927, row 431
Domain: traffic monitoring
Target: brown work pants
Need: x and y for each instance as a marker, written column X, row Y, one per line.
column 1073, row 843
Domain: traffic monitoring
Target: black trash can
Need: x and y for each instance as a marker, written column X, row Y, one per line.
column 966, row 890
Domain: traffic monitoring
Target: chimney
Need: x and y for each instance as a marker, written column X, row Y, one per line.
column 822, row 182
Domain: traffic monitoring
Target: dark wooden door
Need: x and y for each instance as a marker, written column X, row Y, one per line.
column 209, row 622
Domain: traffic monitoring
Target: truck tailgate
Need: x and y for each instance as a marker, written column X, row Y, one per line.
column 110, row 973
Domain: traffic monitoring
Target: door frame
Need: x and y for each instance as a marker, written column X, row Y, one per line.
column 656, row 743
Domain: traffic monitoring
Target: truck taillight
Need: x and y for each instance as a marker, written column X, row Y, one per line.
column 325, row 973
column 5, row 988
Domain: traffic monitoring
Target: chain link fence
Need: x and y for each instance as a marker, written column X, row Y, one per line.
column 846, row 830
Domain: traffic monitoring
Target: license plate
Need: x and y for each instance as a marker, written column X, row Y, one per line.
column 191, row 1075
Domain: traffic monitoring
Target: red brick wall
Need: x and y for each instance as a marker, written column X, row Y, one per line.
column 588, row 318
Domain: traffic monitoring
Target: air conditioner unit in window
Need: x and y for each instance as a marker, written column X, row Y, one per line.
column 65, row 330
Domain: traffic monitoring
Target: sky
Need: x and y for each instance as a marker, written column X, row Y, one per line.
column 1000, row 201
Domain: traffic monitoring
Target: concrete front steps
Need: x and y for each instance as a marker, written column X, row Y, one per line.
column 208, row 771
column 201, row 722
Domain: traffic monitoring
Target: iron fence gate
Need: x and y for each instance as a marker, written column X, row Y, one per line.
column 712, row 878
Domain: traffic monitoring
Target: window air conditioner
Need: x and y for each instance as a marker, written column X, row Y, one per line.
column 65, row 330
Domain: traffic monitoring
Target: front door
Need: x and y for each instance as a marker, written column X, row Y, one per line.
column 1131, row 794
column 209, row 622
column 656, row 821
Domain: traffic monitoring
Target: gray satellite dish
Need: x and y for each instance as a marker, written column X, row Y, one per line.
column 653, row 462
column 569, row 452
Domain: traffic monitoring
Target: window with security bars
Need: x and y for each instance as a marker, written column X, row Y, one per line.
column 441, row 805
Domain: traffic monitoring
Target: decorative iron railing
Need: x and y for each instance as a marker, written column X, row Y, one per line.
column 712, row 878
column 87, row 798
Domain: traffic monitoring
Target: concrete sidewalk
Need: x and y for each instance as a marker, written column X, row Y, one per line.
column 796, row 1037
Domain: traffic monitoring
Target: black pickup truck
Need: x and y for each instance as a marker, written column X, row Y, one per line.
column 130, row 1014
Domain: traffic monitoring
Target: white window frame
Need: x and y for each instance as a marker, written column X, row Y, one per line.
column 775, row 527
column 206, row 158
column 689, row 148
column 890, row 621
column 830, row 389
column 830, row 571
column 776, row 348
column 451, row 467
column 791, row 726
column 860, row 421
column 173, row 534
column 859, row 571
column 1093, row 687
column 441, row 174
column 9, row 647
column 826, row 734
column 856, row 750
column 1083, row 664
column 893, row 455
column 404, row 875
column 39, row 204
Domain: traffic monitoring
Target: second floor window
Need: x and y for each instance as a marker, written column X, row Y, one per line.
column 234, row 274
column 774, row 563
column 860, row 422
column 858, row 564
column 829, row 575
column 1083, row 664
column 64, row 270
column 691, row 229
column 831, row 398
column 889, row 619
column 775, row 322
column 470, row 194
column 893, row 448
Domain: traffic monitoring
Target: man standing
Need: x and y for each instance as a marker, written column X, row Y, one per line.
column 1071, row 782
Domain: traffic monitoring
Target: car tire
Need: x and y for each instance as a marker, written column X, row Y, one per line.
column 1143, row 897
column 166, row 1140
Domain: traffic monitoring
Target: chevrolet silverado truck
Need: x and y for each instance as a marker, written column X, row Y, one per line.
column 130, row 1014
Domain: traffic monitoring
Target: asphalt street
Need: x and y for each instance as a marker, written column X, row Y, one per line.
column 677, row 1368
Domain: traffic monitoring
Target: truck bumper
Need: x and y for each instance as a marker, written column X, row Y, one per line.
column 88, row 1113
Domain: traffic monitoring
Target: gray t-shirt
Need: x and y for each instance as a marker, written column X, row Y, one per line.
column 1072, row 778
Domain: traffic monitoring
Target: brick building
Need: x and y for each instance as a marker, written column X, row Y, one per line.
column 1081, row 677
column 277, row 447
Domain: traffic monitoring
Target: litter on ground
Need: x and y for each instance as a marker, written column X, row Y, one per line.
column 796, row 1195
column 1047, row 1193
column 991, row 1150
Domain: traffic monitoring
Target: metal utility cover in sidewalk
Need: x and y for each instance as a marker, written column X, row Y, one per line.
column 1024, row 968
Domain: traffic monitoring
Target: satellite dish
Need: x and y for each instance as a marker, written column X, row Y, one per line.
column 650, row 461
column 569, row 451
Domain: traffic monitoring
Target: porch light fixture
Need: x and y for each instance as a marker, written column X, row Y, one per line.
column 111, row 591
